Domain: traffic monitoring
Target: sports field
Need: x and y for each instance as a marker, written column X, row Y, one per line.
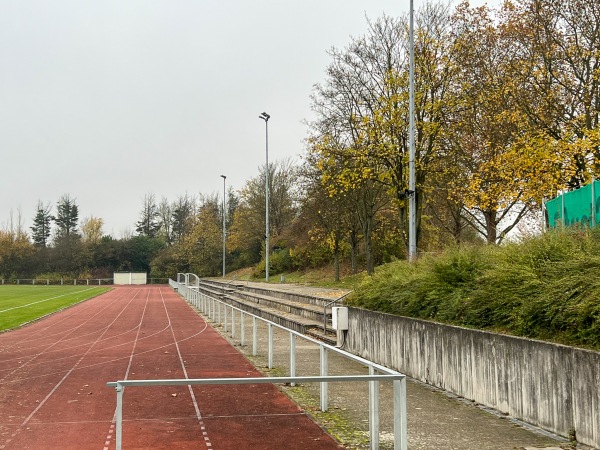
column 23, row 304
column 53, row 376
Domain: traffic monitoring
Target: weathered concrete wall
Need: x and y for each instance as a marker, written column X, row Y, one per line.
column 552, row 386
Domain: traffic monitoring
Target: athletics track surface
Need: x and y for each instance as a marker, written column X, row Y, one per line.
column 53, row 376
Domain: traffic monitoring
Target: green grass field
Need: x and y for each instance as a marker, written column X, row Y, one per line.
column 22, row 304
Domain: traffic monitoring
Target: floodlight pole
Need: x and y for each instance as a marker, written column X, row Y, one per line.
column 264, row 116
column 412, row 198
column 224, row 229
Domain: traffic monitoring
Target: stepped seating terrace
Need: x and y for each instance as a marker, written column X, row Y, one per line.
column 305, row 314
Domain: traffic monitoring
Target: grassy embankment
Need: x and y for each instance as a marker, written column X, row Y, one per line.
column 544, row 287
column 22, row 304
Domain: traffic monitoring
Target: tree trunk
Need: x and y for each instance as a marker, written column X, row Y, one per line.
column 491, row 226
column 336, row 265
column 336, row 254
column 369, row 248
column 354, row 250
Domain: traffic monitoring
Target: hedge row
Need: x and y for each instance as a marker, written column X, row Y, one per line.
column 545, row 287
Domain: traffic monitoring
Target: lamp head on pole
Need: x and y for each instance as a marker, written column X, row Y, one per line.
column 223, row 176
column 264, row 116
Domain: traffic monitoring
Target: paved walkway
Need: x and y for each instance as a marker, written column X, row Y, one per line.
column 436, row 420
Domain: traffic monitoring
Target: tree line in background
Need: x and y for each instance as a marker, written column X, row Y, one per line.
column 507, row 102
column 61, row 246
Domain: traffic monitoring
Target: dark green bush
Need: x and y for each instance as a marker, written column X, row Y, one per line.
column 546, row 287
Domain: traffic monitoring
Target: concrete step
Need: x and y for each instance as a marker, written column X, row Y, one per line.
column 288, row 320
column 281, row 291
column 305, row 310
column 216, row 286
column 329, row 338
column 295, row 312
column 286, row 295
column 212, row 291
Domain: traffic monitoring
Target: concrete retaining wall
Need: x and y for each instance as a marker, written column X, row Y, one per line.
column 552, row 386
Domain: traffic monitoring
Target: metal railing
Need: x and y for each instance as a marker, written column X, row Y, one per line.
column 398, row 380
column 62, row 281
column 72, row 281
column 217, row 310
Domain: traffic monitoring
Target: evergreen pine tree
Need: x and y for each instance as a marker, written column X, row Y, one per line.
column 40, row 231
column 67, row 216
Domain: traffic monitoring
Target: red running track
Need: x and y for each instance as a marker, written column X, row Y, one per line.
column 53, row 376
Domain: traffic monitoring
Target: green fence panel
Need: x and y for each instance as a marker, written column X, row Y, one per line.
column 575, row 207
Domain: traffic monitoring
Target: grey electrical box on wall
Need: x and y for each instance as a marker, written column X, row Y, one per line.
column 339, row 318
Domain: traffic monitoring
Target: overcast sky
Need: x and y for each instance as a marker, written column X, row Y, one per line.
column 110, row 100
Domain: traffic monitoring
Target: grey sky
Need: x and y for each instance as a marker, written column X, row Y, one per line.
column 109, row 100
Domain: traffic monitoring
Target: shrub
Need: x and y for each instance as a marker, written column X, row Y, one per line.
column 546, row 287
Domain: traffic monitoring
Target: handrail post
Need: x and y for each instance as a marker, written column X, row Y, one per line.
column 323, row 371
column 232, row 322
column 292, row 356
column 242, row 329
column 270, row 329
column 254, row 336
column 119, row 417
column 373, row 411
column 400, row 422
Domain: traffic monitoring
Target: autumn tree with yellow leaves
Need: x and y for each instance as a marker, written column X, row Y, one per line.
column 558, row 44
column 15, row 248
column 506, row 110
column 362, row 108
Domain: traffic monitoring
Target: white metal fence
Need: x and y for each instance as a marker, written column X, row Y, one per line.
column 222, row 313
column 75, row 281
column 61, row 282
column 400, row 442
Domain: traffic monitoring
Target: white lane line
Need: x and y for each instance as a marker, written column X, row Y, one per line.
column 194, row 401
column 83, row 345
column 135, row 342
column 68, row 314
column 74, row 367
column 47, row 350
column 108, row 361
